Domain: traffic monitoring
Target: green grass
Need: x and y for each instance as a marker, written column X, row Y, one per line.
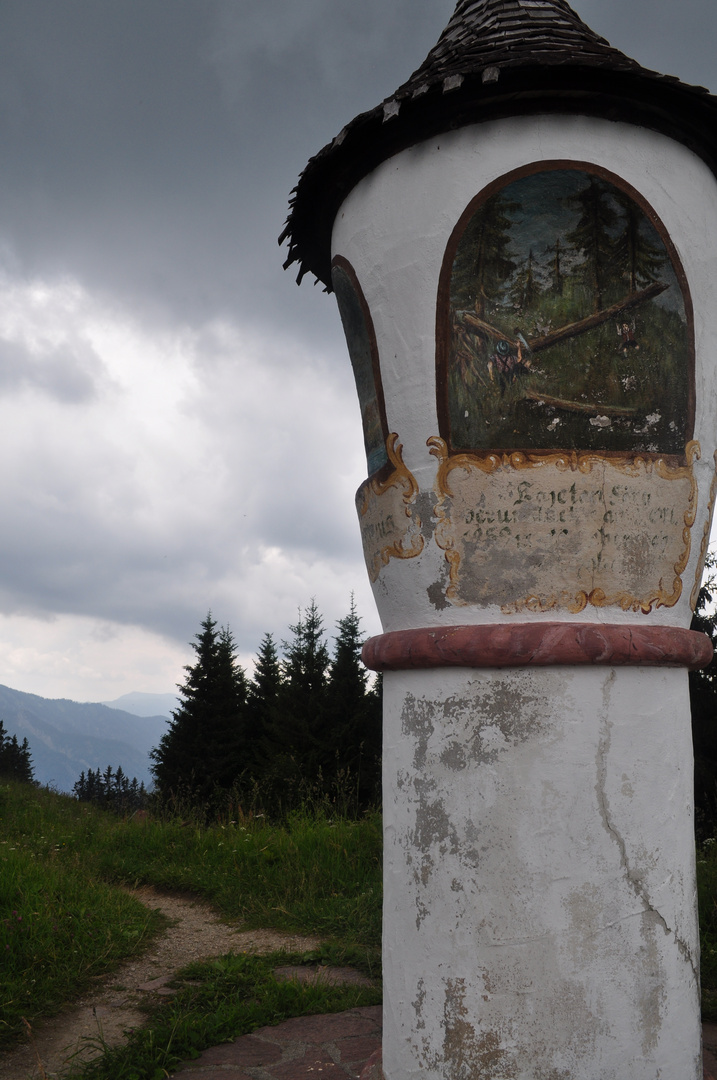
column 59, row 925
column 310, row 875
column 216, row 1002
column 63, row 920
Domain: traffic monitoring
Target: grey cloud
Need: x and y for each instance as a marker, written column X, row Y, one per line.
column 164, row 584
column 150, row 148
column 68, row 374
column 673, row 38
column 355, row 50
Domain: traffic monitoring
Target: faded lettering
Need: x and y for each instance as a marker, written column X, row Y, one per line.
column 538, row 533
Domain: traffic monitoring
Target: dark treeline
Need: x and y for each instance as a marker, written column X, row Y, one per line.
column 15, row 758
column 111, row 790
column 306, row 726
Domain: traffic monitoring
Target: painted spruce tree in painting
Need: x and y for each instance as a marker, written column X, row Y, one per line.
column 483, row 262
column 568, row 325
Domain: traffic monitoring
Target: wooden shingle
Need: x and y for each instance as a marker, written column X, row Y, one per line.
column 507, row 33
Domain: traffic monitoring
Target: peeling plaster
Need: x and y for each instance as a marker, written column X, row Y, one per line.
column 418, row 1005
column 475, row 730
column 436, row 592
column 467, row 1053
column 425, row 504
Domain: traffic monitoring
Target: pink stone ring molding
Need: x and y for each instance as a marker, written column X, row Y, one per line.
column 498, row 645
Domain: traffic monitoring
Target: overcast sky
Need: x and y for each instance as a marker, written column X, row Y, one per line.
column 178, row 423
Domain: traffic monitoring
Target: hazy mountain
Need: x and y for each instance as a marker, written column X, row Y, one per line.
column 145, row 704
column 70, row 737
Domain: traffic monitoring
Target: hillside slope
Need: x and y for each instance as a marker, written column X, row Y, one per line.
column 69, row 737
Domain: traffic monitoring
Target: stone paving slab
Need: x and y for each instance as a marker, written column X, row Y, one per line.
column 304, row 1048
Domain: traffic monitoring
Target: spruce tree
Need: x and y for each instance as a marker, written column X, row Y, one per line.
column 638, row 251
column 293, row 736
column 15, row 758
column 592, row 237
column 483, row 260
column 205, row 746
column 352, row 725
column 526, row 290
column 261, row 706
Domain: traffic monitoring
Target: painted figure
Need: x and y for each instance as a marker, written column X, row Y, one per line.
column 627, row 333
column 508, row 362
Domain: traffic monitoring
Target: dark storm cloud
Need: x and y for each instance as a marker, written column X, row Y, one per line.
column 151, row 147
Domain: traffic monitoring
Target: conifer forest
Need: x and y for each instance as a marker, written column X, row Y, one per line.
column 15, row 758
column 305, row 727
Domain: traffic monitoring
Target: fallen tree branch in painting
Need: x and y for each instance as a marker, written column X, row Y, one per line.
column 579, row 406
column 600, row 317
column 572, row 329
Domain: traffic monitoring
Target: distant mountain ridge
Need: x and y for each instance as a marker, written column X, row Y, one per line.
column 145, row 704
column 70, row 737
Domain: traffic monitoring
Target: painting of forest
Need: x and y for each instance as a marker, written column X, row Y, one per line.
column 568, row 326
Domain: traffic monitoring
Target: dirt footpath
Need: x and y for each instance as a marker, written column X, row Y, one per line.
column 111, row 1006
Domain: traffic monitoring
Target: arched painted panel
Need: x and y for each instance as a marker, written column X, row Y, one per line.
column 564, row 320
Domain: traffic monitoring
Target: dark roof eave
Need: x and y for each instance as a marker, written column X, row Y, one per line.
column 684, row 113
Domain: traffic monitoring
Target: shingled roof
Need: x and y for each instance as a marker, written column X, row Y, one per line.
column 508, row 33
column 495, row 58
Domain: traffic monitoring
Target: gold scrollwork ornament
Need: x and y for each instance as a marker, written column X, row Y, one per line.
column 393, row 533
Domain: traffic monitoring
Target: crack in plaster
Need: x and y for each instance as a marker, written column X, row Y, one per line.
column 634, row 880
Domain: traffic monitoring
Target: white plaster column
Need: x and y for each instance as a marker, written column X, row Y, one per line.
column 540, row 910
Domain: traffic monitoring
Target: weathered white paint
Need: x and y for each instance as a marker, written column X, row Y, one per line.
column 399, row 219
column 540, row 910
column 540, row 914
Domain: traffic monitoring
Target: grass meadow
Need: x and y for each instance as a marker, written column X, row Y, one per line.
column 64, row 918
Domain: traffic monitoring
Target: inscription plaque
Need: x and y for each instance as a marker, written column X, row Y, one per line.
column 564, row 530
